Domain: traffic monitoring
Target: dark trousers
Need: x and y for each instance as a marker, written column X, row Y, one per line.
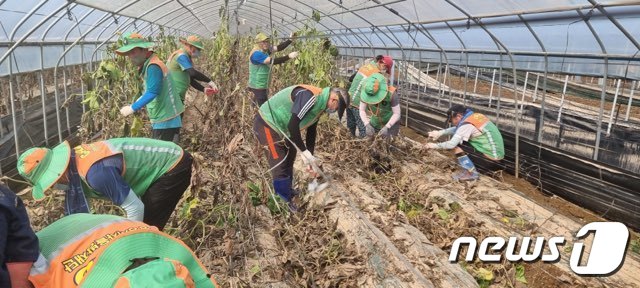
column 353, row 121
column 259, row 96
column 170, row 134
column 163, row 195
column 281, row 153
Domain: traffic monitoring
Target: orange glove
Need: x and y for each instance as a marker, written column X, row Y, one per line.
column 19, row 274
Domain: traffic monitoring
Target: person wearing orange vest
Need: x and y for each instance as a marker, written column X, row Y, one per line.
column 382, row 64
column 379, row 107
column 146, row 177
column 278, row 126
column 468, row 126
column 163, row 104
column 86, row 250
column 18, row 242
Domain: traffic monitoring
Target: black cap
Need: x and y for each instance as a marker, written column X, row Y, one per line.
column 455, row 109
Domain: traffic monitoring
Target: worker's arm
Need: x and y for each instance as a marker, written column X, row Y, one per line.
column 311, row 137
column 303, row 102
column 196, row 85
column 194, row 75
column 363, row 113
column 463, row 133
column 395, row 107
column 105, row 176
column 282, row 45
column 260, row 57
column 152, row 89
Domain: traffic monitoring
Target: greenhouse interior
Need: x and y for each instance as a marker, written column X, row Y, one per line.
column 549, row 88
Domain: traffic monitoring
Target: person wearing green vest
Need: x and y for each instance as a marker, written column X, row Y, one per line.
column 87, row 250
column 469, row 127
column 163, row 103
column 182, row 72
column 278, row 126
column 381, row 64
column 146, row 177
column 379, row 107
column 260, row 61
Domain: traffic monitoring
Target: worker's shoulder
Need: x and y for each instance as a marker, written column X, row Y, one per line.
column 8, row 199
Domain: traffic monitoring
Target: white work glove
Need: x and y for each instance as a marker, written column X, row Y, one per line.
column 435, row 134
column 308, row 158
column 213, row 86
column 133, row 206
column 369, row 130
column 293, row 55
column 430, row 146
column 126, row 110
column 384, row 131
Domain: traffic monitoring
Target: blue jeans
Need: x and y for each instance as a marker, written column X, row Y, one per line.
column 353, row 121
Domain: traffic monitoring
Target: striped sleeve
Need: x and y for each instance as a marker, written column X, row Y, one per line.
column 303, row 101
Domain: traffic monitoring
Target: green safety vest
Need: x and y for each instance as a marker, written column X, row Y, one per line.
column 490, row 143
column 363, row 73
column 258, row 74
column 380, row 113
column 180, row 79
column 167, row 105
column 144, row 160
column 276, row 112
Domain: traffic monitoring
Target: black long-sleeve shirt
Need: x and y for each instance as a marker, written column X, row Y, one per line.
column 303, row 102
column 196, row 76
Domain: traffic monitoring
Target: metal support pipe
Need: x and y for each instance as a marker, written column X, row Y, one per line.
column 426, row 81
column 603, row 94
column 13, row 109
column 524, row 91
column 613, row 106
column 564, row 93
column 633, row 89
column 534, row 97
column 493, row 79
column 43, row 96
column 419, row 76
column 475, row 82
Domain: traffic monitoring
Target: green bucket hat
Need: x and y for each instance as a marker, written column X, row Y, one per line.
column 261, row 37
column 132, row 40
column 42, row 167
column 375, row 89
column 131, row 253
column 117, row 257
column 157, row 273
column 193, row 40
